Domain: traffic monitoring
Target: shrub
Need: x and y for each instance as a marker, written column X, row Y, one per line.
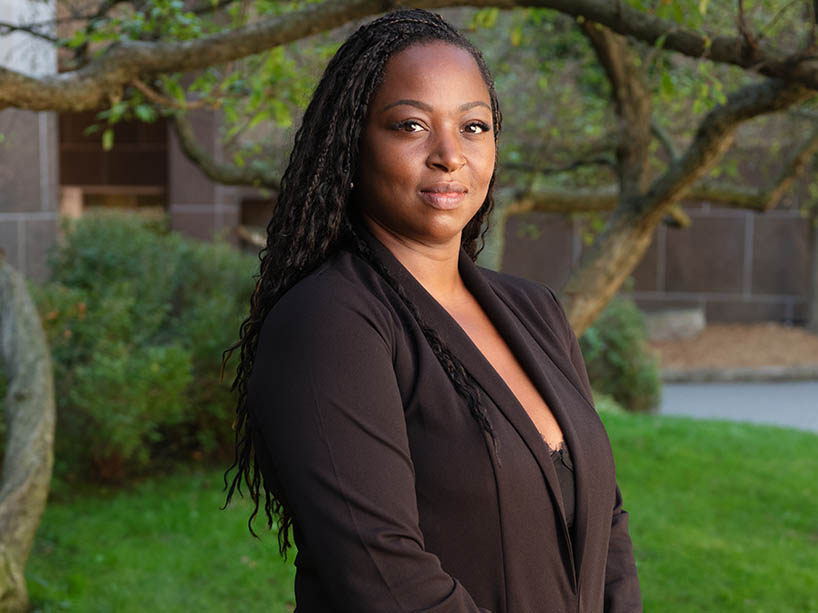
column 137, row 318
column 617, row 357
column 605, row 403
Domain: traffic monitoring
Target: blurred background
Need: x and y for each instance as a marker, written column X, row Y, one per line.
column 657, row 169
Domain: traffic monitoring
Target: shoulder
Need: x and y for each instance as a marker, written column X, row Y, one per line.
column 339, row 300
column 535, row 303
column 520, row 288
column 535, row 300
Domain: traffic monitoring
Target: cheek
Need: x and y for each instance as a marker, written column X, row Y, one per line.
column 484, row 166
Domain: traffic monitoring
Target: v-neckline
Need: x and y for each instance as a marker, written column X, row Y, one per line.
column 499, row 375
column 516, row 335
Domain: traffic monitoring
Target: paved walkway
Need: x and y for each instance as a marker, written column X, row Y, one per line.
column 793, row 404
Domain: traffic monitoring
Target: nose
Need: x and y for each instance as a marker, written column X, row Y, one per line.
column 446, row 152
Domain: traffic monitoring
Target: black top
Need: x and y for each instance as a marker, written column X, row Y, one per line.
column 565, row 473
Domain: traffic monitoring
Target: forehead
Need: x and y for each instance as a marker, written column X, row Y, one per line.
column 433, row 71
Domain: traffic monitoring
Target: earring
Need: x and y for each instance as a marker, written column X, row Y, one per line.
column 352, row 185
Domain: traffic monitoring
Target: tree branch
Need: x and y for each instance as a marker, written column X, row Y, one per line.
column 104, row 78
column 163, row 101
column 30, row 29
column 714, row 136
column 553, row 170
column 629, row 230
column 715, row 192
column 227, row 174
column 665, row 139
column 632, row 101
column 750, row 44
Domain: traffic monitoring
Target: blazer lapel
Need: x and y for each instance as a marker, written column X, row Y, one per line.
column 482, row 371
column 559, row 385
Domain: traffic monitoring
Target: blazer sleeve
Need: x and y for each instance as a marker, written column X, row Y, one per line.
column 325, row 396
column 622, row 592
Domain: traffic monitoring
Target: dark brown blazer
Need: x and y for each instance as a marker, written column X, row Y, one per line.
column 401, row 501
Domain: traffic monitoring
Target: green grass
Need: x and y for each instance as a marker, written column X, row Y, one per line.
column 163, row 545
column 724, row 517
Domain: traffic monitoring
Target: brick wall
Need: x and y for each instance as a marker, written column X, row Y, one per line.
column 736, row 265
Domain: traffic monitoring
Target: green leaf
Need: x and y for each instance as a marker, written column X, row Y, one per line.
column 678, row 13
column 145, row 112
column 516, row 35
column 703, row 6
column 108, row 139
column 660, row 41
column 667, row 85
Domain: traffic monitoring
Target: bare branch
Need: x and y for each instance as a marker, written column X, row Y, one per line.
column 775, row 19
column 164, row 101
column 665, row 139
column 737, row 196
column 30, row 29
column 558, row 200
column 677, row 217
column 553, row 170
column 751, row 45
column 228, row 174
column 103, row 78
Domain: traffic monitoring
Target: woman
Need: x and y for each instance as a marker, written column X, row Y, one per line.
column 425, row 426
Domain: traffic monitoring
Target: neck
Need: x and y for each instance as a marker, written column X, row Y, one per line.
column 433, row 265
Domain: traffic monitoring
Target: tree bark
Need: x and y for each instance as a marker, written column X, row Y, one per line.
column 220, row 172
column 30, row 416
column 632, row 101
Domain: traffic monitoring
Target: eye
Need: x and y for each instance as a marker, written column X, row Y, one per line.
column 477, row 127
column 408, row 125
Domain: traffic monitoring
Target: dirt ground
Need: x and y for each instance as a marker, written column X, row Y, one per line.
column 740, row 345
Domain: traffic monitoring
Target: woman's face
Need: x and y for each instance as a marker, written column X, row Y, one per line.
column 427, row 150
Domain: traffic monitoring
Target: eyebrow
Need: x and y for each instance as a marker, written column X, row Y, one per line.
column 425, row 107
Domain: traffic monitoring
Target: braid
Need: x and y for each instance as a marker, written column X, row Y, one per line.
column 462, row 381
column 311, row 221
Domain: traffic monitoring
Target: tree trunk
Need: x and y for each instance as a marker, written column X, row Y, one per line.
column 30, row 416
column 613, row 256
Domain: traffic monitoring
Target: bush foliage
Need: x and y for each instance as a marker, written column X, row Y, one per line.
column 617, row 357
column 137, row 318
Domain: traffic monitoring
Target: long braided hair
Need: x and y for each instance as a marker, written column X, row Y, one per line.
column 313, row 218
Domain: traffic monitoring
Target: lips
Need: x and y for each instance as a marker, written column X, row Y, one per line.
column 444, row 196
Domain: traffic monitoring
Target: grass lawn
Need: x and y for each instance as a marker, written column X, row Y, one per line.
column 163, row 545
column 724, row 517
